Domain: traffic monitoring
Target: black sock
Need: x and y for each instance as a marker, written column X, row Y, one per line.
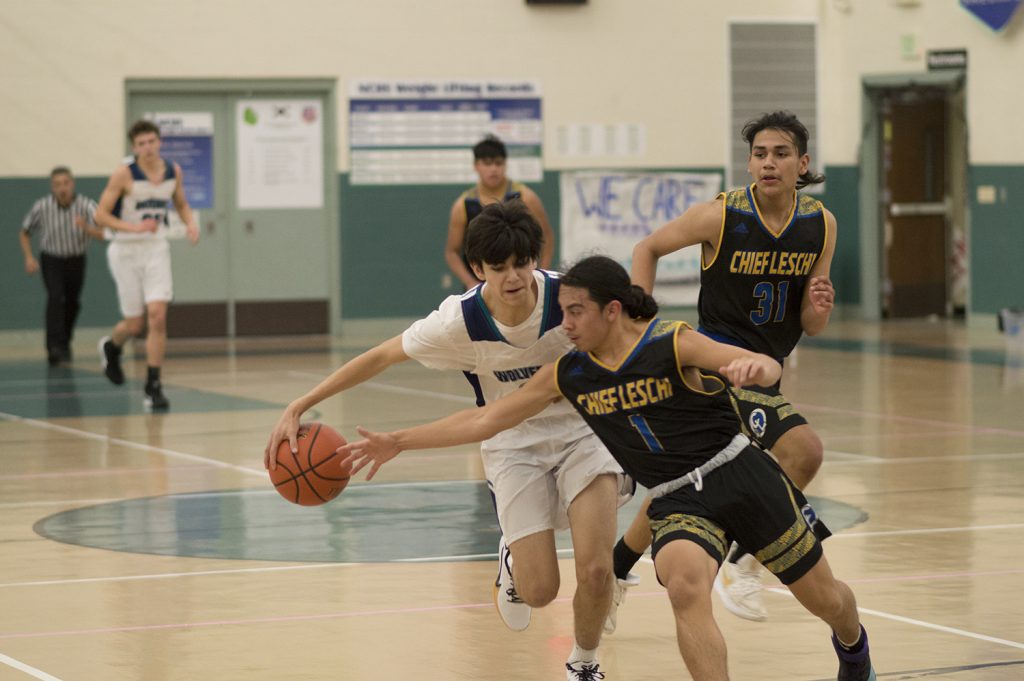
column 861, row 643
column 623, row 558
column 152, row 375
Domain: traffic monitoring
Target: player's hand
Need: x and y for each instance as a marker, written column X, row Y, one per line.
column 149, row 225
column 192, row 232
column 81, row 223
column 755, row 370
column 31, row 265
column 376, row 449
column 822, row 294
column 287, row 428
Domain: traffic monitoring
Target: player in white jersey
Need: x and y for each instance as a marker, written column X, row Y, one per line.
column 550, row 472
column 134, row 208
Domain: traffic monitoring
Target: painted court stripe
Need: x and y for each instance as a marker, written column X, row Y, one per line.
column 927, row 530
column 908, row 419
column 564, row 553
column 256, row 620
column 22, row 667
column 922, row 623
column 170, row 453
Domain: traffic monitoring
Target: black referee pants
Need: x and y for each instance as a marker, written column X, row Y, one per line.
column 63, row 278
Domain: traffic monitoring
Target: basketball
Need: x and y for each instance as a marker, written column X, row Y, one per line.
column 312, row 476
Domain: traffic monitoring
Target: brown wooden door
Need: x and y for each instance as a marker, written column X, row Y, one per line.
column 916, row 210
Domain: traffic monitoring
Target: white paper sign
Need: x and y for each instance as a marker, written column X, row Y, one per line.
column 607, row 212
column 280, row 153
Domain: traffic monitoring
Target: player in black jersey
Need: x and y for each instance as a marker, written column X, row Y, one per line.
column 493, row 186
column 766, row 251
column 637, row 382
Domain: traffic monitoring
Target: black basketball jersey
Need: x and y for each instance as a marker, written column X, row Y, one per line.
column 473, row 205
column 471, row 202
column 751, row 293
column 655, row 425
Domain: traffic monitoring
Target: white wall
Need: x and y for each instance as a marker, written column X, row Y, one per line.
column 657, row 62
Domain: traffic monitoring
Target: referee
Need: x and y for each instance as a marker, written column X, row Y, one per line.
column 67, row 221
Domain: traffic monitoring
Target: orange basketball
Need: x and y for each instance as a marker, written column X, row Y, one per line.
column 313, row 476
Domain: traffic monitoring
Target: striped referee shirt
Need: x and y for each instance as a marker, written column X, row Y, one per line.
column 61, row 237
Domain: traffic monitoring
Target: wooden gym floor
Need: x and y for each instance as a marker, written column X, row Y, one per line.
column 152, row 547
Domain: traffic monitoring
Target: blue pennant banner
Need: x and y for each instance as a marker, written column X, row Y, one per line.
column 995, row 13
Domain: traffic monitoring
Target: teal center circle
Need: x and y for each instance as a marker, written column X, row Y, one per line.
column 367, row 524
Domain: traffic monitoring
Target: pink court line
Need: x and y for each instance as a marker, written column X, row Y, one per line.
column 104, row 472
column 909, row 419
column 436, row 608
column 259, row 620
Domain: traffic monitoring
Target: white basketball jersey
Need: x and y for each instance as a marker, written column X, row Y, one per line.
column 462, row 334
column 146, row 200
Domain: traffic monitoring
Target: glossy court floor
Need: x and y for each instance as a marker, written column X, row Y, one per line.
column 140, row 546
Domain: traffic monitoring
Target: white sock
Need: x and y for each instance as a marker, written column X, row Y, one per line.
column 580, row 655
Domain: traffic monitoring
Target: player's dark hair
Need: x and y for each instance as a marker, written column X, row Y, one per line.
column 787, row 122
column 606, row 280
column 502, row 230
column 61, row 170
column 141, row 128
column 489, row 147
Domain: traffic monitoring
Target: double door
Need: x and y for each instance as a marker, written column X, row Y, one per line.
column 257, row 169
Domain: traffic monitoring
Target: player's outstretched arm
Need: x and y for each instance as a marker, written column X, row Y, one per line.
column 738, row 365
column 700, row 224
column 351, row 373
column 819, row 294
column 462, row 427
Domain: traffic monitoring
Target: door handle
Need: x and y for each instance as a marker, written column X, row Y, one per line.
column 249, row 227
column 899, row 210
column 210, row 226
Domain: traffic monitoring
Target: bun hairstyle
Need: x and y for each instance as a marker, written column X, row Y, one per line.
column 606, row 280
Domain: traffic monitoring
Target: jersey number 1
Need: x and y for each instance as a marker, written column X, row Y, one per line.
column 644, row 428
column 767, row 297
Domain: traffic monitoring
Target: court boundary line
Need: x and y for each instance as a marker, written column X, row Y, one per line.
column 27, row 668
column 921, row 623
column 170, row 453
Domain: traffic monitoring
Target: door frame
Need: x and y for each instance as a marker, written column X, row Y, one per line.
column 254, row 88
column 873, row 88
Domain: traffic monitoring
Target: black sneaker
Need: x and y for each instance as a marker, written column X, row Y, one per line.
column 155, row 400
column 110, row 360
column 854, row 666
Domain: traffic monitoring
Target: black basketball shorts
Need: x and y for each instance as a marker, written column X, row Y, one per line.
column 749, row 500
column 765, row 413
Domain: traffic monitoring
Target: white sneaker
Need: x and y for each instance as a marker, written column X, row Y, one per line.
column 514, row 612
column 739, row 586
column 583, row 671
column 618, row 596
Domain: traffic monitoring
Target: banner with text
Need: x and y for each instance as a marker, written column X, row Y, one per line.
column 423, row 131
column 607, row 212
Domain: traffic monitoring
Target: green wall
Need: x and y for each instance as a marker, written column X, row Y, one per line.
column 392, row 246
column 997, row 239
column 392, row 242
column 841, row 197
column 23, row 298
